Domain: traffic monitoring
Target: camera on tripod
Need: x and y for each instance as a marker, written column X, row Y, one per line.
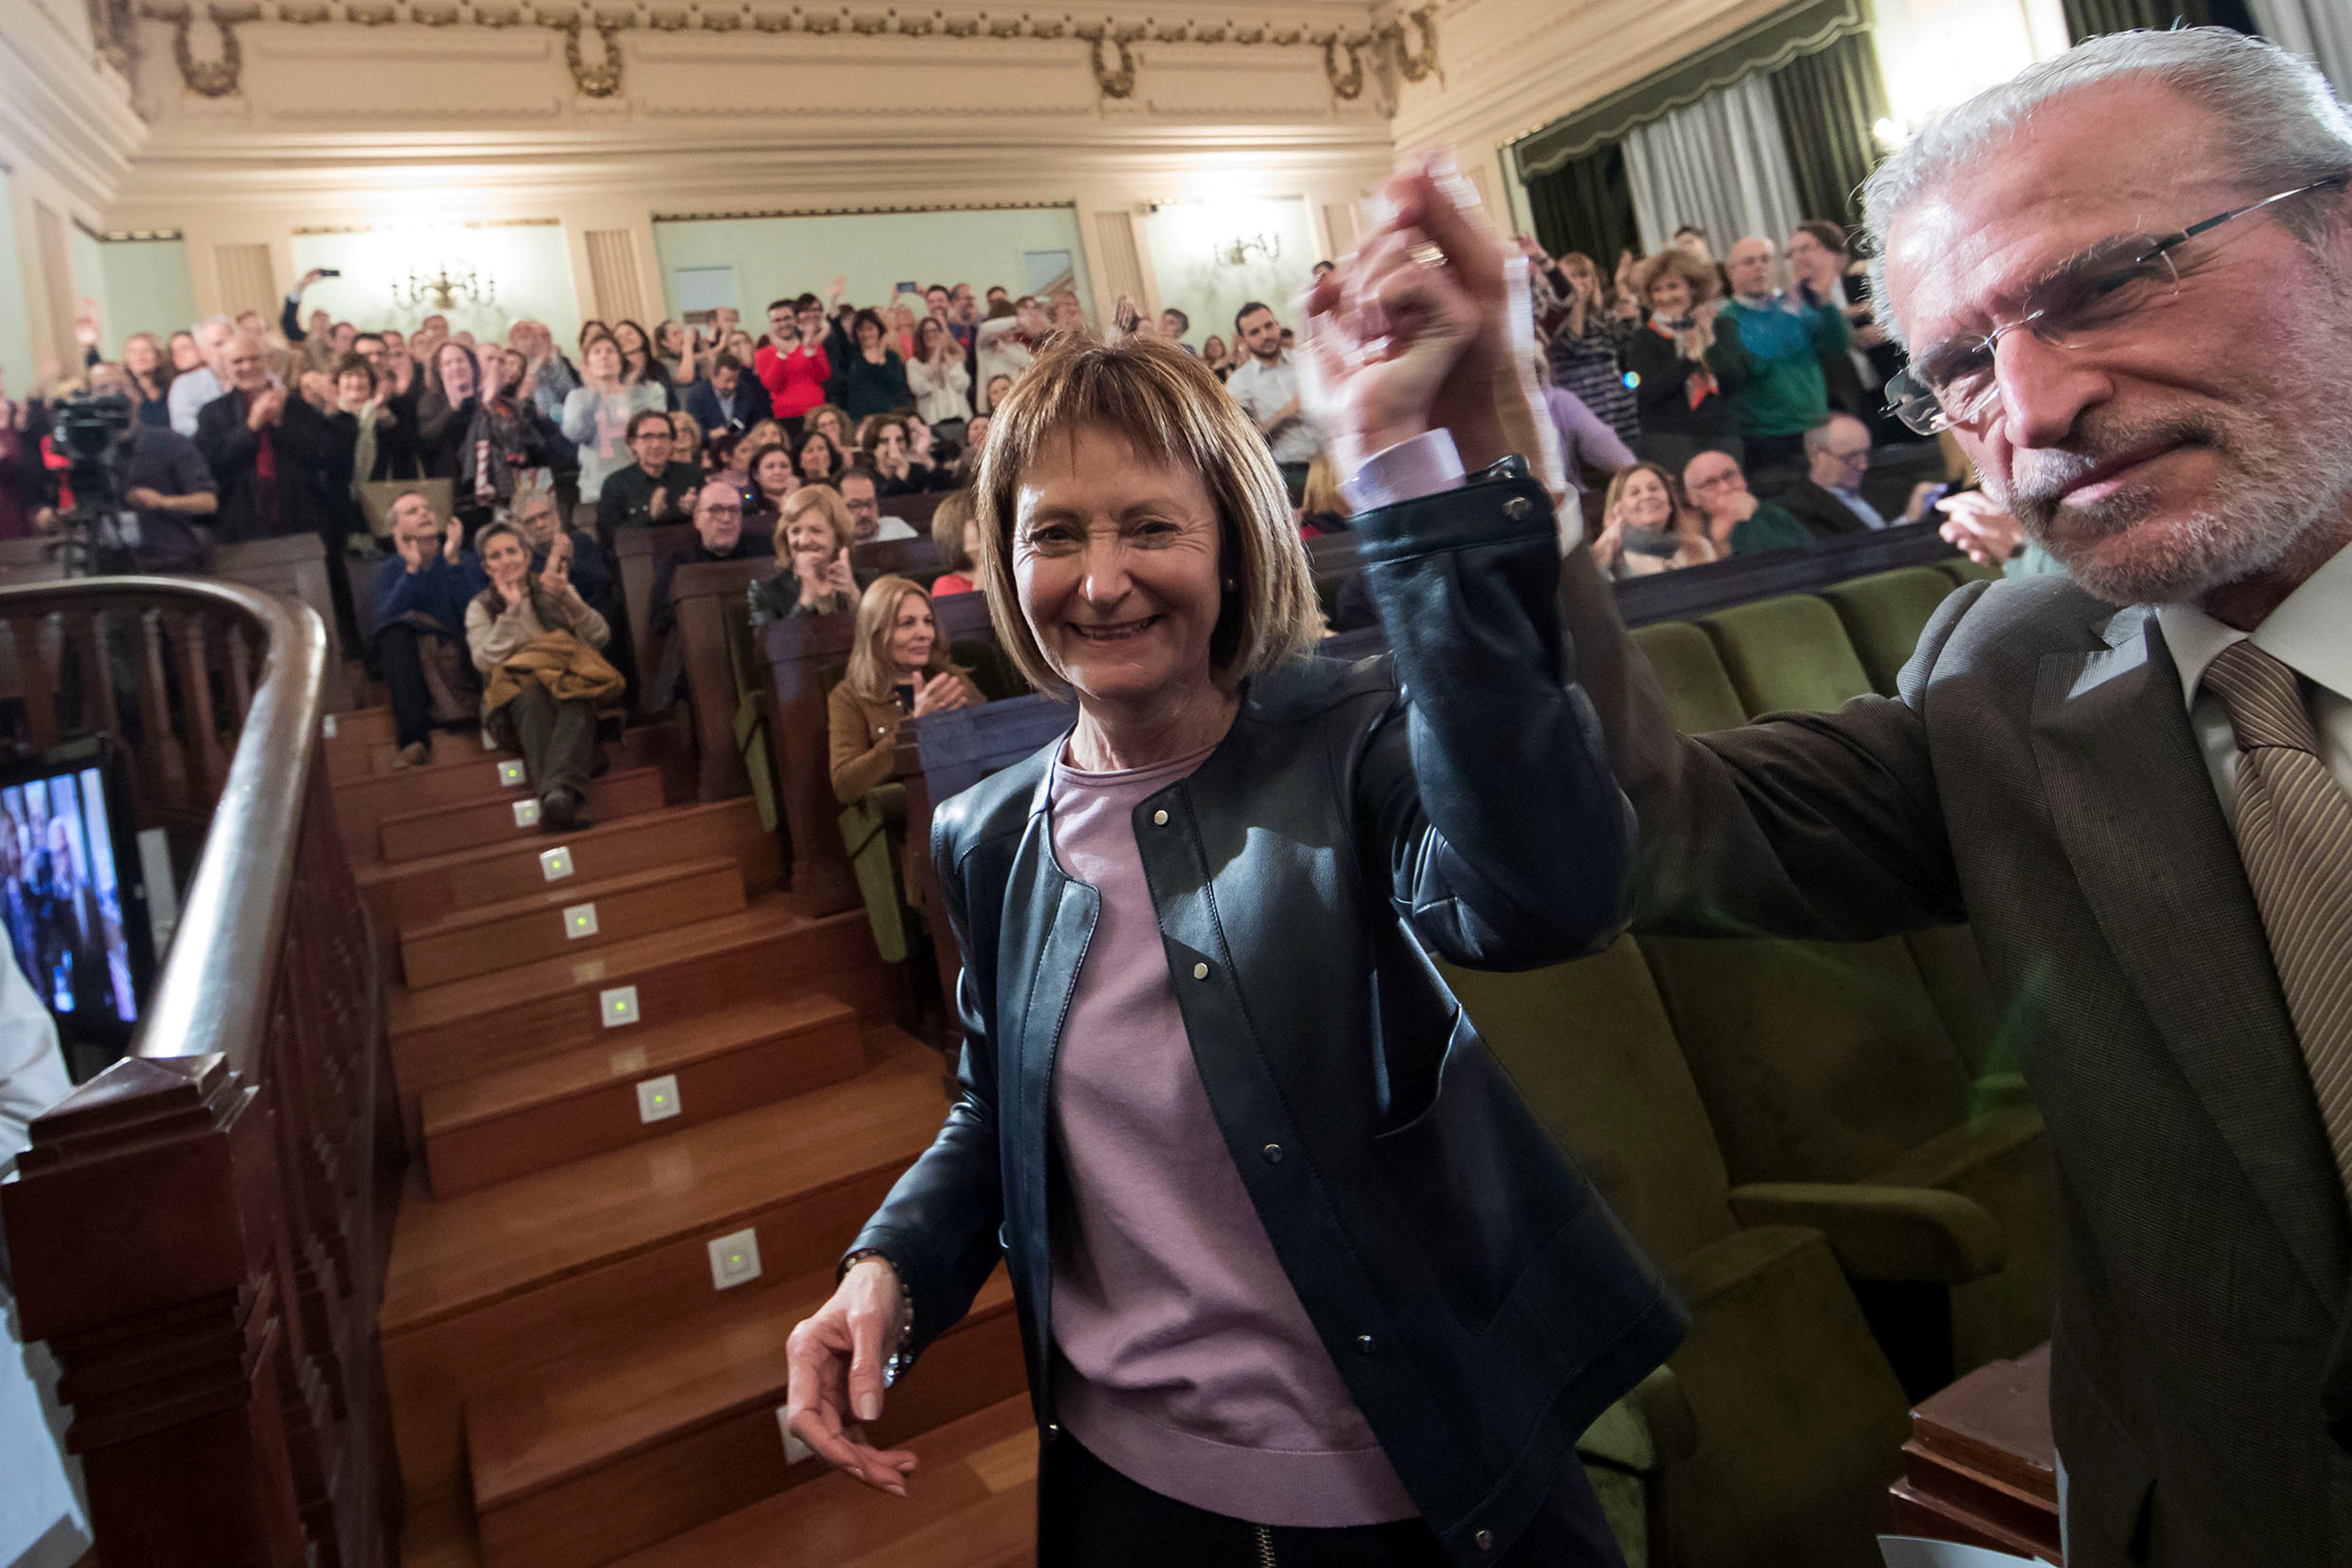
column 87, row 430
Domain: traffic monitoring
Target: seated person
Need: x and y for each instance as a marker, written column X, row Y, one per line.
column 819, row 459
column 719, row 536
column 1829, row 498
column 770, row 477
column 1647, row 529
column 813, row 574
column 1737, row 522
column 860, row 494
column 421, row 594
column 534, row 639
column 898, row 670
column 656, row 489
column 889, row 457
column 955, row 537
column 722, row 401
column 540, row 521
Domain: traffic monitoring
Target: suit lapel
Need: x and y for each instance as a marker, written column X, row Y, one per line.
column 2134, row 806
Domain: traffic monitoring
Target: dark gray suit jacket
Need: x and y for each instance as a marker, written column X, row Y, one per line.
column 2038, row 776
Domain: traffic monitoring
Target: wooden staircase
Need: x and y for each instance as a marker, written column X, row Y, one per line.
column 648, row 1102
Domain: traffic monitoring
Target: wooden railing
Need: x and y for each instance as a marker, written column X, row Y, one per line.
column 199, row 1232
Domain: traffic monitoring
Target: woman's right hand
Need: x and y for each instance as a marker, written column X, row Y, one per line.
column 1606, row 549
column 834, row 1380
column 939, row 694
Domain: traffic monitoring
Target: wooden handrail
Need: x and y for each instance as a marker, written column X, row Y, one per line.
column 199, row 1231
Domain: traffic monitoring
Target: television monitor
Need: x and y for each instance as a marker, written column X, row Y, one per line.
column 72, row 899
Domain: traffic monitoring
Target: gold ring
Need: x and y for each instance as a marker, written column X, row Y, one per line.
column 1427, row 254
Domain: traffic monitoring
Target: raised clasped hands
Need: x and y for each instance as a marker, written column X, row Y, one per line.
column 1409, row 333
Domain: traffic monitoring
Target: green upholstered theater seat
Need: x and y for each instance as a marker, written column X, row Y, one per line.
column 1786, row 653
column 1862, row 1062
column 1687, row 667
column 1884, row 615
column 1960, row 569
column 1780, row 1425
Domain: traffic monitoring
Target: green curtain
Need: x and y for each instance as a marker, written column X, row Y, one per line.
column 1587, row 205
column 1827, row 102
column 2089, row 18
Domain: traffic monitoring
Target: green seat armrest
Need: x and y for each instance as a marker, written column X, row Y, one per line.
column 1883, row 1232
column 2001, row 1091
column 1651, row 1426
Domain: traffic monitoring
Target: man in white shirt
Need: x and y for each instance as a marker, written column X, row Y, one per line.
column 2134, row 781
column 859, row 495
column 191, row 390
column 1268, row 390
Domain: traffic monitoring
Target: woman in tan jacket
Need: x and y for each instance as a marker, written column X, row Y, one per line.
column 548, row 719
column 898, row 670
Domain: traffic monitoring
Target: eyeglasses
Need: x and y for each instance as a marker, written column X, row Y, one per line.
column 2089, row 302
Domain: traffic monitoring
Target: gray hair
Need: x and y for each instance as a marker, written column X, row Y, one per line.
column 2280, row 122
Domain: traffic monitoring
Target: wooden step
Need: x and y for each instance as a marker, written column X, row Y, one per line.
column 350, row 750
column 416, row 891
column 583, row 1458
column 461, row 774
column 485, row 1286
column 448, row 745
column 763, row 953
column 437, row 830
column 971, row 1503
column 571, row 917
column 492, row 1129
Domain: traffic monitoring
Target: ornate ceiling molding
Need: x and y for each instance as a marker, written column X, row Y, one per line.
column 599, row 73
column 864, row 211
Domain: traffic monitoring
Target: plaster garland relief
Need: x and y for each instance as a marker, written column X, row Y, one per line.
column 591, row 38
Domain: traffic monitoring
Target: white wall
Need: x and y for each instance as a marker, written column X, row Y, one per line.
column 1936, row 53
column 144, row 287
column 1180, row 237
column 530, row 266
column 16, row 356
column 775, row 258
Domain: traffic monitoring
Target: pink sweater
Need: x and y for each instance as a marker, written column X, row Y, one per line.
column 1185, row 1361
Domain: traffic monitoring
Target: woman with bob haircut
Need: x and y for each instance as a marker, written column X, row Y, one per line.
column 1687, row 381
column 898, row 670
column 814, row 529
column 955, row 540
column 1299, row 1277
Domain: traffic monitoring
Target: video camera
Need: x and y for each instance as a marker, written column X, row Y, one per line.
column 87, row 430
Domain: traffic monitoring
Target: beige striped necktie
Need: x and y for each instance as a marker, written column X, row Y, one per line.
column 2294, row 834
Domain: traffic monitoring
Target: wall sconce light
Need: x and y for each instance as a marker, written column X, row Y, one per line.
column 445, row 289
column 1238, row 251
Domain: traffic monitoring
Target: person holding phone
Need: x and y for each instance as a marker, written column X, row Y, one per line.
column 898, row 670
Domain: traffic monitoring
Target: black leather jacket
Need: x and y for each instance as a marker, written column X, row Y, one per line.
column 1452, row 798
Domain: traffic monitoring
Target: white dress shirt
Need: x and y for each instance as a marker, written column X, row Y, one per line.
column 2311, row 633
column 1263, row 388
column 189, row 391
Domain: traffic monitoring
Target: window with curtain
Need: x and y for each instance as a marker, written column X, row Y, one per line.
column 1828, row 101
column 1586, row 205
column 2089, row 18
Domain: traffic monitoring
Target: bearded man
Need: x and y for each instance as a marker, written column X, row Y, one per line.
column 2124, row 278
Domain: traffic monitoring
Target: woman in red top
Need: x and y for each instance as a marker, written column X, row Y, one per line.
column 793, row 372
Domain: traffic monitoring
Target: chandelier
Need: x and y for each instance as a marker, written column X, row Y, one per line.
column 452, row 284
column 1238, row 251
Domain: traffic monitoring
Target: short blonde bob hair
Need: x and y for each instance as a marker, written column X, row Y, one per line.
column 1703, row 279
column 831, row 510
column 1166, row 404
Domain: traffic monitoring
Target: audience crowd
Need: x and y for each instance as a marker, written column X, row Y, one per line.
column 1727, row 409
